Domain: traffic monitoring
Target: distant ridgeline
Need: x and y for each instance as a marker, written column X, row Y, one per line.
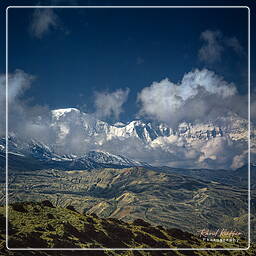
column 74, row 134
column 167, row 198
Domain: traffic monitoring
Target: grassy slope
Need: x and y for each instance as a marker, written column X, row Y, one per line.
column 43, row 225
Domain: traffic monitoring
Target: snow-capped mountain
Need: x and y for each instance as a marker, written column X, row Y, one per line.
column 187, row 145
column 80, row 138
column 44, row 157
column 65, row 121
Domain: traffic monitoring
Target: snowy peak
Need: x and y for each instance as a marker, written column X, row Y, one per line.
column 80, row 137
column 44, row 157
column 107, row 158
column 58, row 113
column 69, row 120
column 119, row 124
column 199, row 131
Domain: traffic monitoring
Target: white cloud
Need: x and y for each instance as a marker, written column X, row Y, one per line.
column 215, row 150
column 43, row 21
column 18, row 82
column 24, row 120
column 239, row 160
column 214, row 44
column 215, row 153
column 212, row 49
column 110, row 104
column 200, row 94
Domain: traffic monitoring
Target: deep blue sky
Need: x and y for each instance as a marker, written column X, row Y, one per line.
column 105, row 49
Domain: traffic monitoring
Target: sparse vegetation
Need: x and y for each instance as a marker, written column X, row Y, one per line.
column 42, row 226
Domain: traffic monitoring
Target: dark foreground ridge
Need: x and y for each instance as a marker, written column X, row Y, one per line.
column 41, row 225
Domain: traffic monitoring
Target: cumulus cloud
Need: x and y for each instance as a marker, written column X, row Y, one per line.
column 18, row 82
column 222, row 152
column 23, row 119
column 239, row 160
column 174, row 151
column 43, row 21
column 201, row 94
column 110, row 104
column 215, row 153
column 214, row 44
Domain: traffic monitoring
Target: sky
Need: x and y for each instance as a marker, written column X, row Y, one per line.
column 165, row 65
column 82, row 57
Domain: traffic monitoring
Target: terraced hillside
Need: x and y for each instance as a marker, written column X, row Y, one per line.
column 171, row 200
column 40, row 225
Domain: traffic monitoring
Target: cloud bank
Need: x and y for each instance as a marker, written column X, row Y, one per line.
column 110, row 104
column 201, row 94
column 219, row 152
column 24, row 120
column 19, row 82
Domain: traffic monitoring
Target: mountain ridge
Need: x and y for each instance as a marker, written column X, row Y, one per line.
column 159, row 143
column 36, row 155
column 219, row 144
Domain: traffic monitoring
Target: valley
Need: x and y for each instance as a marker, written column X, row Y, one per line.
column 108, row 176
column 172, row 200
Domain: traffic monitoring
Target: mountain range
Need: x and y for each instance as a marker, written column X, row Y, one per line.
column 121, row 184
column 79, row 138
column 66, row 119
column 36, row 155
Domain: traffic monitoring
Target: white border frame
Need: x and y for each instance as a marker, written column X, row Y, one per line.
column 131, row 249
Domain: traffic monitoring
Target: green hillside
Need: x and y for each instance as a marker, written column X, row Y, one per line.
column 43, row 225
